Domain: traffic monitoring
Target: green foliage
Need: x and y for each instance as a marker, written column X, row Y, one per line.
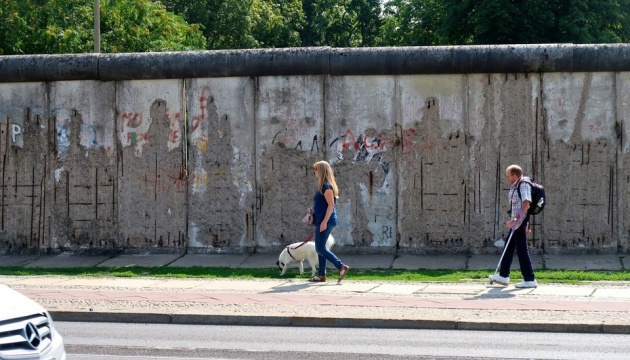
column 277, row 23
column 412, row 23
column 239, row 24
column 341, row 23
column 140, row 25
column 226, row 24
column 545, row 276
column 536, row 21
column 67, row 26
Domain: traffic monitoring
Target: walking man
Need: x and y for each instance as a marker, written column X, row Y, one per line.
column 518, row 225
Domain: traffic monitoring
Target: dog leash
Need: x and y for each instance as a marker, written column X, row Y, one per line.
column 289, row 248
column 307, row 240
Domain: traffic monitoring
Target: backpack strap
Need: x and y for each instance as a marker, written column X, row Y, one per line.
column 518, row 187
column 518, row 190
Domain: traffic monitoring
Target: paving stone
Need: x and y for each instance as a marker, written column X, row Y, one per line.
column 620, row 293
column 179, row 284
column 211, row 260
column 490, row 262
column 16, row 260
column 238, row 285
column 397, row 289
column 431, row 262
column 106, row 282
column 67, row 261
column 149, row 260
column 367, row 261
column 259, row 261
column 450, row 289
column 331, row 286
column 583, row 262
column 39, row 281
column 563, row 290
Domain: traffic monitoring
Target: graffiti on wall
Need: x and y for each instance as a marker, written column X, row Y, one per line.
column 199, row 122
column 89, row 136
column 174, row 132
column 14, row 117
column 368, row 146
column 134, row 131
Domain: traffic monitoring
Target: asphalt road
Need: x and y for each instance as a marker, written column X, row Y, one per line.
column 158, row 341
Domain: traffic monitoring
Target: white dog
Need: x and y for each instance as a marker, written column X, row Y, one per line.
column 298, row 252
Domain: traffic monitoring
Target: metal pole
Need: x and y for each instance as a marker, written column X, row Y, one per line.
column 97, row 26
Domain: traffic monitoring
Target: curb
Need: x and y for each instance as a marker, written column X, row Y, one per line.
column 308, row 321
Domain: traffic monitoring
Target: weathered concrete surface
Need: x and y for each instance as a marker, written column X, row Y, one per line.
column 24, row 152
column 147, row 260
column 485, row 262
column 221, row 151
column 152, row 186
column 360, row 136
column 83, row 169
column 210, row 260
column 580, row 161
column 223, row 164
column 583, row 262
column 433, row 163
column 289, row 139
column 60, row 261
column 414, row 262
column 16, row 260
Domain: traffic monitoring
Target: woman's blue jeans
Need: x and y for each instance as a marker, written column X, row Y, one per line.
column 323, row 253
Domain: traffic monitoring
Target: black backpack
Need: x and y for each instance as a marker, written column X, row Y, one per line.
column 538, row 197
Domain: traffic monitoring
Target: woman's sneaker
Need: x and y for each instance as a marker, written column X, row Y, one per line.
column 505, row 281
column 527, row 284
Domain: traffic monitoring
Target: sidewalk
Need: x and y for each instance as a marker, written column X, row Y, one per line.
column 592, row 307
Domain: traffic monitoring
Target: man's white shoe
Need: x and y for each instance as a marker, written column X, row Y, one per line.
column 527, row 284
column 505, row 281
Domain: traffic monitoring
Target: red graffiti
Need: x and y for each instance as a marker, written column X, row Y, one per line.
column 130, row 120
column 174, row 125
column 173, row 120
column 198, row 119
column 173, row 136
column 348, row 140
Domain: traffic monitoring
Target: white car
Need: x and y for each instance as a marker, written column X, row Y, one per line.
column 26, row 329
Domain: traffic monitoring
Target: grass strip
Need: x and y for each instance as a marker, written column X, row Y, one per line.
column 421, row 275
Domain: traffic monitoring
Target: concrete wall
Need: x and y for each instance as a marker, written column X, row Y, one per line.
column 136, row 152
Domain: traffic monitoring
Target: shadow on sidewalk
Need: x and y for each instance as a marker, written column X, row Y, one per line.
column 288, row 288
column 497, row 293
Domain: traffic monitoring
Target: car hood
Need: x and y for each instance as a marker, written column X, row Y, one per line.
column 15, row 305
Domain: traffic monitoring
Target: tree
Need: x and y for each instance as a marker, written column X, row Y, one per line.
column 412, row 23
column 277, row 23
column 66, row 26
column 341, row 23
column 226, row 24
column 536, row 21
column 142, row 25
column 238, row 24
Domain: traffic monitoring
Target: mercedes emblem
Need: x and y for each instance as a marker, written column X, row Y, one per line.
column 31, row 334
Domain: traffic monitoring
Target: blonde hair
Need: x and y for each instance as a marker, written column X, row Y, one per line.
column 325, row 175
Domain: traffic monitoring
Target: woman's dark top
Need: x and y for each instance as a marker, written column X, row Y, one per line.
column 320, row 206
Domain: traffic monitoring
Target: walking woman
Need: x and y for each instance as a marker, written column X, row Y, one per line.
column 325, row 219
